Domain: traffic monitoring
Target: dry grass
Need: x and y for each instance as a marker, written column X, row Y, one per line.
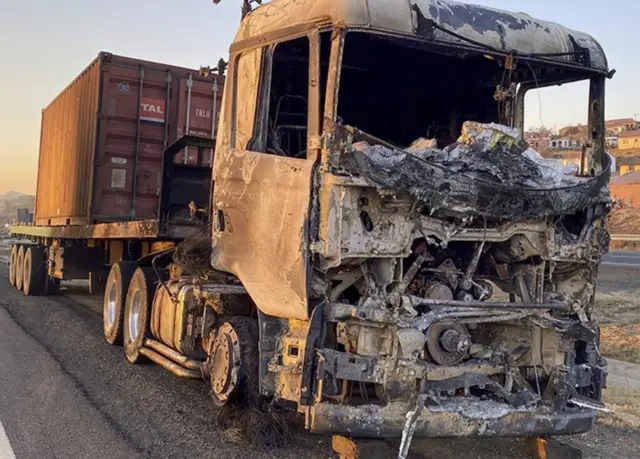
column 624, row 221
column 621, row 342
column 619, row 317
column 621, row 307
column 625, row 407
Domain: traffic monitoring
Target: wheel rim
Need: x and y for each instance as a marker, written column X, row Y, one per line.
column 226, row 358
column 134, row 316
column 111, row 304
column 20, row 268
column 26, row 276
column 12, row 265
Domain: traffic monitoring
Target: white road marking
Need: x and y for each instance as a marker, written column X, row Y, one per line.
column 5, row 447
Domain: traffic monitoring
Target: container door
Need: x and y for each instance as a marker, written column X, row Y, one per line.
column 133, row 136
column 198, row 115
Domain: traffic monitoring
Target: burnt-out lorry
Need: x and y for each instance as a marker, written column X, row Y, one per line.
column 382, row 250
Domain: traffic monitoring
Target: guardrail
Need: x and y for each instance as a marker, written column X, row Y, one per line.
column 625, row 237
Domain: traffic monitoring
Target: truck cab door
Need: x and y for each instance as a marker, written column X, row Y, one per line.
column 263, row 174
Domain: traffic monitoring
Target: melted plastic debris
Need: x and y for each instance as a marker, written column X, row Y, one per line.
column 490, row 171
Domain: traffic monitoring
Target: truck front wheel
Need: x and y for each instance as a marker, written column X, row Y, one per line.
column 233, row 362
column 114, row 300
column 137, row 312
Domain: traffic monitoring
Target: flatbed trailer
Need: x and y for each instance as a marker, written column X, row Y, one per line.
column 73, row 252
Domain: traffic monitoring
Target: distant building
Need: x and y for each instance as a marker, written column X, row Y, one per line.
column 564, row 143
column 626, row 188
column 568, row 157
column 628, row 164
column 629, row 139
column 538, row 139
column 574, row 158
column 538, row 144
column 580, row 131
column 611, row 141
column 620, row 125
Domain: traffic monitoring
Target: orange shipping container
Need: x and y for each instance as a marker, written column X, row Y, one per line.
column 102, row 139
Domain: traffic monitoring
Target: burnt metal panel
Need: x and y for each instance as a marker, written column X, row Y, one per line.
column 261, row 202
column 473, row 26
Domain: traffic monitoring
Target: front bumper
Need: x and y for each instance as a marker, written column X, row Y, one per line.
column 469, row 419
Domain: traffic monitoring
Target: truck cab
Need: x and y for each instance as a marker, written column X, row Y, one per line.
column 415, row 266
column 382, row 251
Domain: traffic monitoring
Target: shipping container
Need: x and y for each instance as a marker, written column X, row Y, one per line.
column 103, row 138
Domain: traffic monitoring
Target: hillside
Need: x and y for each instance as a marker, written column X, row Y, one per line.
column 12, row 200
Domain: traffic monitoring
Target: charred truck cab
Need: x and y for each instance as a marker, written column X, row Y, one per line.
column 417, row 268
column 382, row 250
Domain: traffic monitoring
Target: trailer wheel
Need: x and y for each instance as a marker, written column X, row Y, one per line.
column 115, row 295
column 35, row 271
column 13, row 264
column 20, row 267
column 137, row 312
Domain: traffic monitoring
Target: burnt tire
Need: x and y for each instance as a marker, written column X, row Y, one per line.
column 20, row 267
column 234, row 363
column 34, row 276
column 115, row 296
column 13, row 264
column 137, row 312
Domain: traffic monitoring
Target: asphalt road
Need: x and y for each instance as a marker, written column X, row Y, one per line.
column 623, row 259
column 67, row 394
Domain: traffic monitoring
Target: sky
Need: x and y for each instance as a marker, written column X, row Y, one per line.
column 45, row 44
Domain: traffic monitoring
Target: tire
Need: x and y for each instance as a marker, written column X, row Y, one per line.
column 35, row 274
column 137, row 312
column 51, row 286
column 115, row 295
column 20, row 267
column 13, row 264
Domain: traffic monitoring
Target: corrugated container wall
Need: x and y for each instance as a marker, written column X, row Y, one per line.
column 111, row 124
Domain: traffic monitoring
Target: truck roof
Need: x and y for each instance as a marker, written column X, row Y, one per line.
column 501, row 30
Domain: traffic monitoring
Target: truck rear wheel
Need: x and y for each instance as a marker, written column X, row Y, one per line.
column 137, row 312
column 35, row 271
column 115, row 296
column 20, row 267
column 13, row 264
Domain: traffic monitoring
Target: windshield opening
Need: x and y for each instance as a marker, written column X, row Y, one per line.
column 399, row 90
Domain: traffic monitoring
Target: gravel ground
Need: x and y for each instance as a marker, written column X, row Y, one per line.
column 153, row 414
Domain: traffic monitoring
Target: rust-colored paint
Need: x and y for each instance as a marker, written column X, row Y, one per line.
column 117, row 109
column 116, row 252
column 141, row 229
